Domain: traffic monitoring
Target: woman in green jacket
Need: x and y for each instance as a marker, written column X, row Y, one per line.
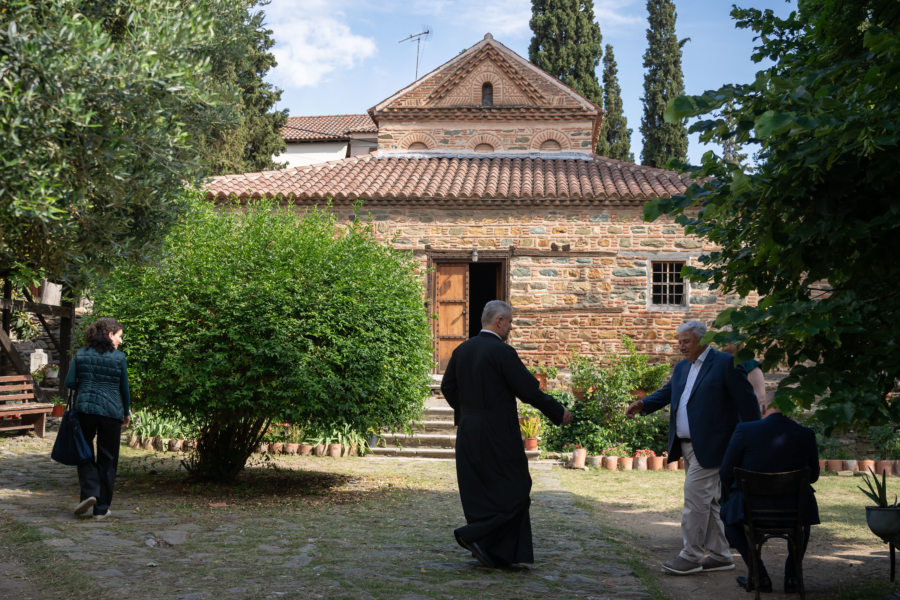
column 100, row 374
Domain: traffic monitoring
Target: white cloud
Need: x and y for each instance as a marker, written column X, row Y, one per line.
column 312, row 41
column 619, row 12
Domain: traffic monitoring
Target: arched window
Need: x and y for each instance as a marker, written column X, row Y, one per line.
column 417, row 146
column 487, row 94
column 550, row 145
column 484, row 148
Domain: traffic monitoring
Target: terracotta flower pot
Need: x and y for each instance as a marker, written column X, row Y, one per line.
column 147, row 443
column 579, row 455
column 897, row 467
column 134, row 441
column 319, row 449
column 594, row 461
column 262, row 448
column 291, row 448
column 626, row 463
column 275, row 447
column 822, row 465
column 656, row 463
column 58, row 410
column 866, row 465
column 681, row 464
column 671, row 466
column 306, row 449
column 884, row 466
column 188, row 445
column 639, row 463
column 334, row 450
column 542, row 380
column 611, row 463
column 531, row 443
column 175, row 445
column 850, row 465
column 834, row 464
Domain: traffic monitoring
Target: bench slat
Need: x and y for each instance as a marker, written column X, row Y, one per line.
column 16, row 387
column 5, row 378
column 16, row 427
column 9, row 397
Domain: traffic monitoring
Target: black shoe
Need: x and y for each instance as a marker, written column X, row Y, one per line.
column 477, row 551
column 791, row 585
column 765, row 584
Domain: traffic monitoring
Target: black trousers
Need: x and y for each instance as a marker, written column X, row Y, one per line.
column 738, row 540
column 97, row 477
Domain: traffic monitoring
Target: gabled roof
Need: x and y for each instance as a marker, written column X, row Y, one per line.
column 325, row 128
column 475, row 180
column 533, row 92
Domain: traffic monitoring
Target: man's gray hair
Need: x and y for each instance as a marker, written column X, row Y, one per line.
column 698, row 328
column 494, row 309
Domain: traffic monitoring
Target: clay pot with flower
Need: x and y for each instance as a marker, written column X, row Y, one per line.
column 579, row 454
column 611, row 456
column 529, row 425
column 641, row 458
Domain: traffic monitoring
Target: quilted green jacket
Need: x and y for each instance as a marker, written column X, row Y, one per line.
column 102, row 383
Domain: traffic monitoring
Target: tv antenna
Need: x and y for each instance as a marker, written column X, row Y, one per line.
column 419, row 37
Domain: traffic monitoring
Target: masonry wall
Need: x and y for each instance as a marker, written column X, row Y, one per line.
column 578, row 278
column 501, row 136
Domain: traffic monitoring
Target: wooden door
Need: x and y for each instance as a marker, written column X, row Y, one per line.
column 451, row 295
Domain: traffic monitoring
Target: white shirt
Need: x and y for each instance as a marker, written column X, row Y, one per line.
column 493, row 332
column 682, row 428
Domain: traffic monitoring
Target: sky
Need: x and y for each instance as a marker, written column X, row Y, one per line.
column 345, row 56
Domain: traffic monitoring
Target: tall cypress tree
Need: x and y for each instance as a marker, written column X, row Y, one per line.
column 663, row 81
column 567, row 44
column 615, row 136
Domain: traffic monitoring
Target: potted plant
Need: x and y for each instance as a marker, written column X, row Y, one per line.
column 59, row 406
column 883, row 518
column 531, row 429
column 644, row 377
column 579, row 454
column 544, row 373
column 611, row 456
column 642, row 458
column 585, row 371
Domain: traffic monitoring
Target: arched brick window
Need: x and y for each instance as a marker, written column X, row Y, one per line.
column 550, row 145
column 418, row 146
column 487, row 94
column 484, row 148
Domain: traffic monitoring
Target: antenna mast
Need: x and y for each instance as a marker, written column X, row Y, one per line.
column 426, row 31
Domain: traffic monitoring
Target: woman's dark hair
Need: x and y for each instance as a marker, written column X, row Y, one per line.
column 97, row 334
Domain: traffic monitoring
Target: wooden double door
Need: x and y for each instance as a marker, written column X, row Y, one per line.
column 460, row 291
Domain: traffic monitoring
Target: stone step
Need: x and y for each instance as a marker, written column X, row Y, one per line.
column 430, row 440
column 445, row 426
column 422, row 452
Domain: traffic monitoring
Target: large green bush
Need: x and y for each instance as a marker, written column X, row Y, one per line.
column 259, row 313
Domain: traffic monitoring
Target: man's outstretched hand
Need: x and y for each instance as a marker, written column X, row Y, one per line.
column 567, row 417
column 634, row 409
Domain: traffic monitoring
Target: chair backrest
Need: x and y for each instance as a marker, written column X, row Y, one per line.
column 760, row 488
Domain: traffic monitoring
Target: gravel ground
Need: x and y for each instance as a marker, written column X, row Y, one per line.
column 360, row 528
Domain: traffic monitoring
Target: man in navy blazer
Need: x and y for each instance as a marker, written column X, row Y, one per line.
column 708, row 397
column 774, row 445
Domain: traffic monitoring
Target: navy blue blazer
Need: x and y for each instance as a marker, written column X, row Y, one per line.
column 721, row 397
column 774, row 445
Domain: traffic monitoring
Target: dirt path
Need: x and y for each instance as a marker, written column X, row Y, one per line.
column 827, row 567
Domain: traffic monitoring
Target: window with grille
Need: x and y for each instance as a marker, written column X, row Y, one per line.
column 667, row 286
column 487, row 95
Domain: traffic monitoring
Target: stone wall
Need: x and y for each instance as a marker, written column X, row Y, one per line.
column 503, row 136
column 578, row 277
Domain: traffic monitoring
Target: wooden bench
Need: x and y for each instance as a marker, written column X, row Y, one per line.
column 18, row 400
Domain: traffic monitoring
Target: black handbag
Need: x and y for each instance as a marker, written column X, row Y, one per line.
column 70, row 447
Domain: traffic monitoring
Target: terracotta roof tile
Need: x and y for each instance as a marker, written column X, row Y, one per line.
column 326, row 127
column 457, row 179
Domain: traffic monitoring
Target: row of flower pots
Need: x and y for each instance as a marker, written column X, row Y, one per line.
column 887, row 467
column 160, row 444
column 579, row 460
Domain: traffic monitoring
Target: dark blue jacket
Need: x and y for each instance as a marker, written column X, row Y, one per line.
column 102, row 383
column 774, row 445
column 721, row 397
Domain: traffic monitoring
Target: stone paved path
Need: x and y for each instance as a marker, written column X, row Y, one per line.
column 398, row 544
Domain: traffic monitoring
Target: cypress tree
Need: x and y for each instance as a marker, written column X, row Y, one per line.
column 615, row 136
column 663, row 81
column 567, row 44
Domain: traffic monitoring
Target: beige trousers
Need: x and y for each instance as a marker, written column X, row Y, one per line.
column 702, row 530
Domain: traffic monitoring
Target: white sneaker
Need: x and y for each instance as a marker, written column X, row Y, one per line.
column 84, row 506
column 104, row 515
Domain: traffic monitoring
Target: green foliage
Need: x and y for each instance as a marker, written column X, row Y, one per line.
column 239, row 55
column 615, row 136
column 815, row 228
column 663, row 82
column 531, row 427
column 258, row 314
column 567, row 44
column 877, row 490
column 585, row 370
column 886, row 440
column 102, row 110
column 549, row 370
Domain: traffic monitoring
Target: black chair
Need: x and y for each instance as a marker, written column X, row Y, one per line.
column 762, row 522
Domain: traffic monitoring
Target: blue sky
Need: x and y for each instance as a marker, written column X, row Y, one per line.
column 344, row 56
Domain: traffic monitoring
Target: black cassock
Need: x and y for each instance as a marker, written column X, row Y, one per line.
column 481, row 383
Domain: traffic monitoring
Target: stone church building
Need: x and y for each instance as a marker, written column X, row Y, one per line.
column 485, row 170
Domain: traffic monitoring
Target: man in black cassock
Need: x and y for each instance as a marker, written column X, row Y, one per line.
column 481, row 383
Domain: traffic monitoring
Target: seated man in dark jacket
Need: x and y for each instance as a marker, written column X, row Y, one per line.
column 775, row 444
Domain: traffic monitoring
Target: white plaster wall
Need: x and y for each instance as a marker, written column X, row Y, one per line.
column 298, row 155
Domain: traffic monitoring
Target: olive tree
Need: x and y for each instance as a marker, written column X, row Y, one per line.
column 263, row 313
